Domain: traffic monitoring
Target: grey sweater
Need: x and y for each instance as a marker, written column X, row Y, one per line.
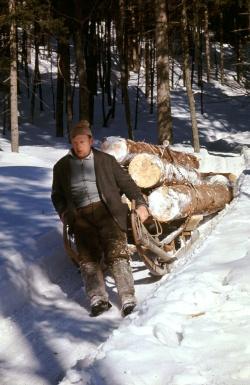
column 83, row 180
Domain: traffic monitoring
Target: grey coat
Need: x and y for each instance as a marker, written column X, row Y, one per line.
column 112, row 181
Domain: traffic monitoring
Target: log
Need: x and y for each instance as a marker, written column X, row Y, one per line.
column 223, row 177
column 118, row 147
column 168, row 203
column 148, row 170
column 125, row 149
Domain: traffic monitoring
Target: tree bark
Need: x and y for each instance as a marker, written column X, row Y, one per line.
column 13, row 81
column 109, row 61
column 221, row 50
column 36, row 80
column 123, row 48
column 147, row 69
column 191, row 100
column 207, row 42
column 60, row 91
column 82, row 73
column 67, row 82
column 25, row 61
column 152, row 74
column 164, row 118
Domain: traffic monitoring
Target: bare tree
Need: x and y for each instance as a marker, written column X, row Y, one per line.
column 13, row 80
column 164, row 119
column 191, row 100
column 123, row 48
column 207, row 41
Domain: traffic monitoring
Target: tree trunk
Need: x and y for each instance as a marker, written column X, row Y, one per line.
column 40, row 86
column 25, row 61
column 101, row 70
column 82, row 73
column 164, row 118
column 221, row 50
column 180, row 201
column 207, row 42
column 152, row 75
column 91, row 66
column 36, row 78
column 60, row 91
column 147, row 69
column 5, row 102
column 123, row 48
column 198, row 44
column 67, row 82
column 13, row 81
column 109, row 61
column 52, row 84
column 191, row 100
column 137, row 91
column 238, row 44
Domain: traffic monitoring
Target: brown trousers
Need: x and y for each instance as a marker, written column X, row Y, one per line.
column 96, row 233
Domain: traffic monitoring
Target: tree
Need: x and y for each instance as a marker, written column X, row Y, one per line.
column 164, row 119
column 13, row 80
column 191, row 100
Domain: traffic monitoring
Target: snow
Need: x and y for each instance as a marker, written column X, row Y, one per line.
column 190, row 327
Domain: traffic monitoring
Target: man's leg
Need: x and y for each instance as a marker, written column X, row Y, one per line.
column 114, row 243
column 124, row 281
column 87, row 244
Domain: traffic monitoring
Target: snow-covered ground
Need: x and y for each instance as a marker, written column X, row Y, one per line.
column 190, row 327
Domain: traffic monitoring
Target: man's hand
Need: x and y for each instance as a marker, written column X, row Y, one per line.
column 63, row 217
column 142, row 212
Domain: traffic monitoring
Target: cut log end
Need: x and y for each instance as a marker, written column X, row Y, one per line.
column 145, row 171
column 116, row 147
column 165, row 203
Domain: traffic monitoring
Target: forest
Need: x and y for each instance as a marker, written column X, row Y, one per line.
column 95, row 45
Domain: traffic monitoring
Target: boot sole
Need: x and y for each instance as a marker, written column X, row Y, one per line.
column 100, row 308
column 128, row 309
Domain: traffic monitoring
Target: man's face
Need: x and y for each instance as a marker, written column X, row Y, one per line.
column 81, row 145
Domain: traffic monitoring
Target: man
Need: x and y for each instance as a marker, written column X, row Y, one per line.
column 86, row 193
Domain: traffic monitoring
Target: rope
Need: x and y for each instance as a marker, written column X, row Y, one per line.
column 145, row 235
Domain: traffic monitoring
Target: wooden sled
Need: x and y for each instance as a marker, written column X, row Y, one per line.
column 159, row 250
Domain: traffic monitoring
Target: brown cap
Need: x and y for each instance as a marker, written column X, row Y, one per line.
column 81, row 128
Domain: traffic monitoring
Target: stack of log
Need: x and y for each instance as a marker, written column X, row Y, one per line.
column 170, row 179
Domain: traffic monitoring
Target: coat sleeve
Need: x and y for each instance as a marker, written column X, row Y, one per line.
column 57, row 194
column 127, row 185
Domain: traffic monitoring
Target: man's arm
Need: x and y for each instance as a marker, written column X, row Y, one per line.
column 131, row 190
column 57, row 195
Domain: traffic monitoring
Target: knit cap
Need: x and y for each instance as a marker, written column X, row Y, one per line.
column 81, row 128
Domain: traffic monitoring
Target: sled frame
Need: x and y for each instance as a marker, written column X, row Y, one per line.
column 153, row 252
